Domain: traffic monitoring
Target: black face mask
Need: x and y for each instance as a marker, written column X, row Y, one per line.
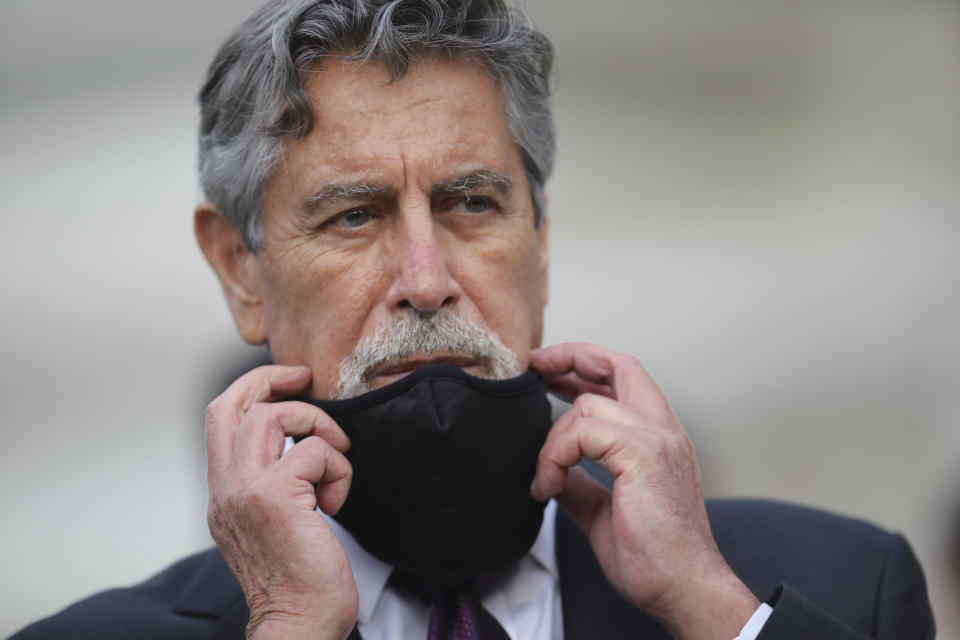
column 442, row 466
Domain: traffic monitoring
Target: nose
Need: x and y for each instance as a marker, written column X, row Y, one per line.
column 423, row 279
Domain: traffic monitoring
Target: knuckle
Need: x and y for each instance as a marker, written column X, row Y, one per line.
column 214, row 409
column 586, row 403
column 323, row 422
column 678, row 441
column 314, row 445
column 342, row 475
column 630, row 362
column 543, row 457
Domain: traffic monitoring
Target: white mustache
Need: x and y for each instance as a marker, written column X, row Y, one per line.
column 418, row 335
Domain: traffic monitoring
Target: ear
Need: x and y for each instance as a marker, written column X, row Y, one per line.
column 236, row 267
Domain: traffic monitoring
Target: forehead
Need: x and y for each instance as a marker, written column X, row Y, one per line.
column 441, row 114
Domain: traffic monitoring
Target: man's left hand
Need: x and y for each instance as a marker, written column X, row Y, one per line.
column 651, row 534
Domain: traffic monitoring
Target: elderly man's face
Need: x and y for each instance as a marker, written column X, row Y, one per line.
column 405, row 196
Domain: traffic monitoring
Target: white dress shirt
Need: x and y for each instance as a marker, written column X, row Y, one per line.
column 527, row 605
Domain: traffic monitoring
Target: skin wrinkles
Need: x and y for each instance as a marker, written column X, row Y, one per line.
column 407, row 151
column 343, row 193
column 315, row 292
column 336, row 198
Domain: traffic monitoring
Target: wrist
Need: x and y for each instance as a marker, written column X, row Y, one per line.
column 713, row 607
column 295, row 627
column 293, row 621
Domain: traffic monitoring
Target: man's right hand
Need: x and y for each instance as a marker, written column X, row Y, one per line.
column 262, row 511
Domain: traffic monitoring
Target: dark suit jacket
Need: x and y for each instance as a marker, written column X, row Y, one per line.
column 828, row 578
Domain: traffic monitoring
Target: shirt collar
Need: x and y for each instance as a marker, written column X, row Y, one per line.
column 543, row 550
column 371, row 574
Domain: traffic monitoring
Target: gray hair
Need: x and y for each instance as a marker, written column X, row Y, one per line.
column 423, row 334
column 253, row 101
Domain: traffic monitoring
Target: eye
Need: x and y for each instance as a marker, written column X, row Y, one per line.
column 475, row 204
column 354, row 218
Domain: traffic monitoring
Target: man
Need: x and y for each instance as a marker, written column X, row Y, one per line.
column 374, row 172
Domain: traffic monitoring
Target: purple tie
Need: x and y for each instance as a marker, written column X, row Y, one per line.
column 455, row 614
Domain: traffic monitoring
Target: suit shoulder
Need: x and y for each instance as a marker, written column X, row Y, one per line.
column 753, row 520
column 145, row 610
column 845, row 565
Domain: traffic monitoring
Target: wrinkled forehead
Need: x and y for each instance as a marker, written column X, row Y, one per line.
column 364, row 95
column 441, row 119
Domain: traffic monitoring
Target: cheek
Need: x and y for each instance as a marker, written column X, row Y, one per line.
column 317, row 306
column 514, row 265
column 505, row 282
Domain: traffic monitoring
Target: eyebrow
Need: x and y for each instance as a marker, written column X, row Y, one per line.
column 340, row 192
column 474, row 179
column 337, row 192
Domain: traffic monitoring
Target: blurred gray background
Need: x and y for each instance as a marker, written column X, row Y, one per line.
column 757, row 198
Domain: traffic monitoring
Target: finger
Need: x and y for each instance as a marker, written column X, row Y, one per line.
column 569, row 385
column 313, row 460
column 263, row 384
column 584, row 498
column 593, row 438
column 260, row 437
column 597, row 365
column 591, row 405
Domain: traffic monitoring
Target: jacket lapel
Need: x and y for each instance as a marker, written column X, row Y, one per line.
column 214, row 593
column 591, row 607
